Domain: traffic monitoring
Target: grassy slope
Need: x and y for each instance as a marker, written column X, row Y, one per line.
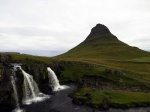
column 104, row 48
column 113, row 98
column 111, row 54
column 76, row 70
column 100, row 50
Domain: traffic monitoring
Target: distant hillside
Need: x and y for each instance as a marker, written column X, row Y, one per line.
column 102, row 44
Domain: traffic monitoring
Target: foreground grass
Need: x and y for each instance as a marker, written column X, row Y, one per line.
column 111, row 98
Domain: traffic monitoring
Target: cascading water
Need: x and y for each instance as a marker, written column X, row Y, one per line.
column 13, row 78
column 53, row 80
column 31, row 90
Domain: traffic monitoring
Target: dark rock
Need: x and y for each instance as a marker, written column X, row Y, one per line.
column 6, row 95
column 100, row 32
column 110, row 71
column 77, row 102
column 89, row 96
column 106, row 103
column 99, row 29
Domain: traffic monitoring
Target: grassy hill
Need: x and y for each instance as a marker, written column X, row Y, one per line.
column 112, row 65
column 102, row 44
column 104, row 50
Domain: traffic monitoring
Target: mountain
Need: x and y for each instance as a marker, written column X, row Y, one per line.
column 102, row 44
column 112, row 65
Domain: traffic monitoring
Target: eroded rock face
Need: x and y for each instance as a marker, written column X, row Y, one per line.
column 97, row 82
column 6, row 95
column 100, row 32
column 99, row 29
column 39, row 73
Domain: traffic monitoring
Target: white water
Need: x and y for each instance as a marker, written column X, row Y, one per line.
column 54, row 82
column 18, row 109
column 31, row 90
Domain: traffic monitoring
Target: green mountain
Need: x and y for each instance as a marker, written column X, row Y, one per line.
column 102, row 44
column 117, row 75
column 101, row 48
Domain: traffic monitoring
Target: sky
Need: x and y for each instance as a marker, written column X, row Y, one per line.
column 52, row 27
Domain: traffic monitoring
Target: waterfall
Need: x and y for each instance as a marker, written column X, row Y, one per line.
column 53, row 80
column 15, row 93
column 13, row 78
column 31, row 90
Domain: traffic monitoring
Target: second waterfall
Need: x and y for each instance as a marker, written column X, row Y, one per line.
column 54, row 82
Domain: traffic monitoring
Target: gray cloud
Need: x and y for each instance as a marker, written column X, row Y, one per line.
column 57, row 26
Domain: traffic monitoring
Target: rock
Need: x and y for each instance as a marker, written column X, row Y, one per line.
column 89, row 96
column 6, row 98
column 100, row 31
column 110, row 71
column 106, row 103
column 77, row 102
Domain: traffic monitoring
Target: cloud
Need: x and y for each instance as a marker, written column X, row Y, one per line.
column 59, row 25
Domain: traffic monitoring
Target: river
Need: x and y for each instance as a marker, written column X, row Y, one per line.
column 60, row 102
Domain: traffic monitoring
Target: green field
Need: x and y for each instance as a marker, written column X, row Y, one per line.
column 111, row 98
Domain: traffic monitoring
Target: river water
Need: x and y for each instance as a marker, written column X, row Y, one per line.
column 60, row 102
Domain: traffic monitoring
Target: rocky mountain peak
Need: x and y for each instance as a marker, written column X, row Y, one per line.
column 100, row 31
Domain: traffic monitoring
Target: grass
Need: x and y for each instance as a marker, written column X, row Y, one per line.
column 25, row 57
column 75, row 71
column 113, row 98
column 104, row 49
column 113, row 54
column 142, row 59
column 135, row 74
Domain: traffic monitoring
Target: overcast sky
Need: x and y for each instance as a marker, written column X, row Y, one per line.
column 52, row 27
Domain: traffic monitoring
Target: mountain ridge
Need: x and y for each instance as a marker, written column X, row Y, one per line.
column 102, row 44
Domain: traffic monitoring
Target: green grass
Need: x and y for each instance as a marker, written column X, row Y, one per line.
column 75, row 71
column 142, row 59
column 104, row 49
column 135, row 74
column 24, row 58
column 114, row 98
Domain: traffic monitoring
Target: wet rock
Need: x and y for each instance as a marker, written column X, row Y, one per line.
column 77, row 102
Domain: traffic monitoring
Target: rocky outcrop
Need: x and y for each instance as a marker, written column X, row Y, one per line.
column 99, row 29
column 6, row 91
column 99, row 32
column 110, row 71
column 98, row 82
